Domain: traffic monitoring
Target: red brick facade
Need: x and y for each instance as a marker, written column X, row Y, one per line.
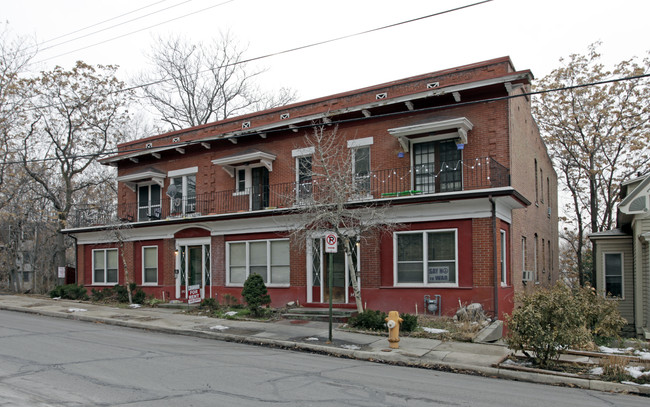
column 501, row 157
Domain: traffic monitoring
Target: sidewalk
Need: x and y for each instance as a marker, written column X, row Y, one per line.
column 461, row 357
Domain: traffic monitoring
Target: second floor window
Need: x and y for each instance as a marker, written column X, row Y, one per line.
column 149, row 202
column 437, row 166
column 361, row 170
column 182, row 194
column 304, row 177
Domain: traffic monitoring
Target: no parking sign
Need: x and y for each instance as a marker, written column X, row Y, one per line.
column 330, row 243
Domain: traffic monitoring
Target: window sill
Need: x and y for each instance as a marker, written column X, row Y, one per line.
column 104, row 284
column 267, row 285
column 150, row 284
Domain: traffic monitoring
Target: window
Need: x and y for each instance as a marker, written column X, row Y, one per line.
column 241, row 180
column 523, row 259
column 548, row 191
column 149, row 202
column 541, row 184
column 105, row 266
column 437, row 166
column 361, row 170
column 536, row 184
column 428, row 257
column 504, row 274
column 535, row 258
column 150, row 265
column 304, row 177
column 268, row 258
column 182, row 191
column 614, row 274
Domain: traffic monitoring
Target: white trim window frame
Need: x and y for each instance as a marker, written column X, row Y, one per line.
column 149, row 264
column 151, row 209
column 360, row 156
column 432, row 269
column 109, row 267
column 187, row 182
column 275, row 262
column 304, row 181
column 619, row 275
column 504, row 258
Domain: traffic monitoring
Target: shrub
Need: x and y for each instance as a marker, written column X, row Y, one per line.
column 229, row 300
column 547, row 322
column 602, row 318
column 614, row 368
column 70, row 292
column 369, row 319
column 255, row 293
column 139, row 296
column 410, row 323
column 209, row 303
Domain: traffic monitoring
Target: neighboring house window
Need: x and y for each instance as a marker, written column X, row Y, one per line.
column 523, row 259
column 614, row 274
column 437, row 166
column 541, row 184
column 268, row 258
column 149, row 202
column 548, row 191
column 150, row 265
column 361, row 170
column 504, row 271
column 105, row 266
column 535, row 258
column 182, row 191
column 536, row 184
column 427, row 257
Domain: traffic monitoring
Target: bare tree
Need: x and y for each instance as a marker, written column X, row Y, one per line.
column 197, row 83
column 334, row 195
column 15, row 56
column 72, row 120
column 598, row 136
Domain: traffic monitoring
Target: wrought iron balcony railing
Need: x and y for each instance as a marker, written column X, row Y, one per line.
column 463, row 175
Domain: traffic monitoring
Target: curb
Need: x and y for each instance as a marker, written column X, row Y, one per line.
column 387, row 358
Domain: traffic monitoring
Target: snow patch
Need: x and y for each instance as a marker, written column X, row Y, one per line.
column 231, row 313
column 636, row 371
column 434, row 330
column 77, row 310
column 311, row 339
column 135, row 305
column 350, row 347
column 642, row 355
column 596, row 371
column 219, row 327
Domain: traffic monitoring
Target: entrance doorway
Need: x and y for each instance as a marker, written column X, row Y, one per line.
column 319, row 267
column 193, row 266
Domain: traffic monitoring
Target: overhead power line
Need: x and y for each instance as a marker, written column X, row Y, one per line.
column 140, row 30
column 361, row 118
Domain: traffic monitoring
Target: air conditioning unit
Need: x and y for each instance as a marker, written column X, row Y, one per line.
column 527, row 275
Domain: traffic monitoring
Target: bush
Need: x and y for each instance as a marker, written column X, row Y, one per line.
column 209, row 303
column 119, row 293
column 410, row 323
column 255, row 293
column 369, row 319
column 70, row 292
column 550, row 320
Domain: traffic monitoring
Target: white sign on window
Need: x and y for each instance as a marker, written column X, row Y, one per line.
column 61, row 272
column 438, row 274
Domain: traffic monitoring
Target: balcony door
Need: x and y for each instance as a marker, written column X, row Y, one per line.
column 437, row 166
column 260, row 188
column 149, row 202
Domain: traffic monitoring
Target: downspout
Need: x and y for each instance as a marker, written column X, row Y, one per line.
column 495, row 257
column 76, row 259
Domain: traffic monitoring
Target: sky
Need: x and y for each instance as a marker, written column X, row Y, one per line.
column 535, row 34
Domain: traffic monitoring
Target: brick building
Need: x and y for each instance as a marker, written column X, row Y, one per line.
column 455, row 154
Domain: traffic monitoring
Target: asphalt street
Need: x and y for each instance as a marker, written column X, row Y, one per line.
column 58, row 362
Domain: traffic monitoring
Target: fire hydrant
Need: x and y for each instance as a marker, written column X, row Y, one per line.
column 393, row 321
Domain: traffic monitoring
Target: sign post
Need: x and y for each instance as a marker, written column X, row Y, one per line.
column 330, row 248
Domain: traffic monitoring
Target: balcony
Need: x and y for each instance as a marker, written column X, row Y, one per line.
column 394, row 183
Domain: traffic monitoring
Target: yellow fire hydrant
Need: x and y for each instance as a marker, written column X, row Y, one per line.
column 393, row 321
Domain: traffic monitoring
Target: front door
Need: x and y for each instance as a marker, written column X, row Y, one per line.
column 193, row 265
column 318, row 273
